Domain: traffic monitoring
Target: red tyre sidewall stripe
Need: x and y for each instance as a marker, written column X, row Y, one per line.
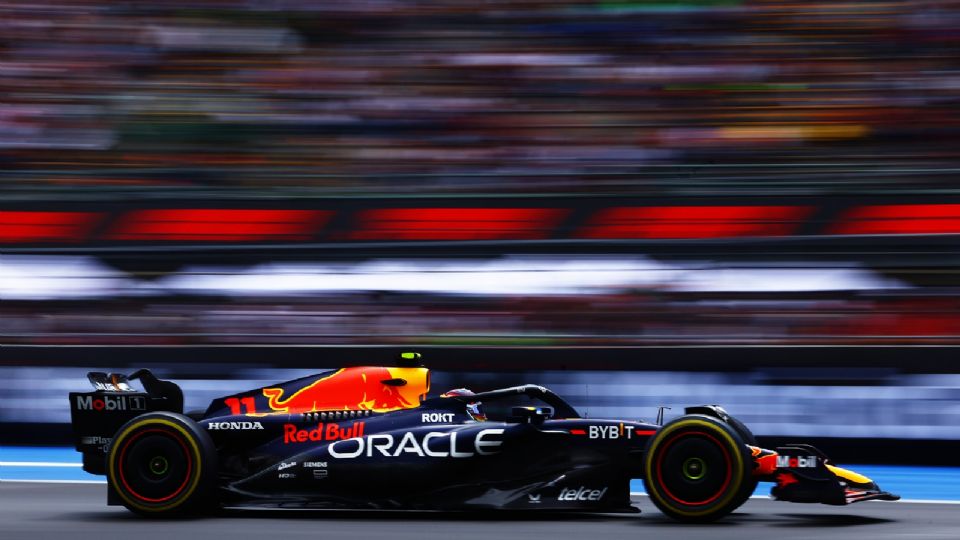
column 663, row 451
column 186, row 452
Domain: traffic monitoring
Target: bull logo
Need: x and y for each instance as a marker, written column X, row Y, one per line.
column 356, row 389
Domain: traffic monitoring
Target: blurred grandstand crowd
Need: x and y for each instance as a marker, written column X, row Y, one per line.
column 293, row 98
column 637, row 318
column 393, row 96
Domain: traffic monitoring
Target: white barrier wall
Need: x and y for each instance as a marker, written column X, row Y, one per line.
column 893, row 406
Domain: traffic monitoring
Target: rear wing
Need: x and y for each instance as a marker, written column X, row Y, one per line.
column 96, row 416
column 114, row 382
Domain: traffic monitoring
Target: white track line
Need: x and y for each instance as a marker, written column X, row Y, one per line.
column 769, row 498
column 53, row 481
column 38, row 464
column 923, row 501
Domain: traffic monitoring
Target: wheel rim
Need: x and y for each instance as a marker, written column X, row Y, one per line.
column 159, row 465
column 155, row 465
column 693, row 468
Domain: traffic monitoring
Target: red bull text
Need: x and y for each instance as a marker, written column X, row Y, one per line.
column 323, row 432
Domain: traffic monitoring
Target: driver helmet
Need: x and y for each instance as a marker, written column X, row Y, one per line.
column 474, row 408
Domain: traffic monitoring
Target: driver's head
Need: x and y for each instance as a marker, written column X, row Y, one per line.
column 476, row 412
column 474, row 408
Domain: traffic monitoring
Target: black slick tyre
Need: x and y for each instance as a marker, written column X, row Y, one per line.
column 751, row 440
column 163, row 464
column 697, row 469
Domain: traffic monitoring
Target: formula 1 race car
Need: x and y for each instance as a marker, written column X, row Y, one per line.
column 369, row 437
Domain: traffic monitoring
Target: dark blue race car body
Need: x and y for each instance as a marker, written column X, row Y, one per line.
column 370, row 437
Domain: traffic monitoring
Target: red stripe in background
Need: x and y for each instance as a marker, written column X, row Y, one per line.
column 219, row 225
column 21, row 227
column 457, row 223
column 678, row 222
column 900, row 219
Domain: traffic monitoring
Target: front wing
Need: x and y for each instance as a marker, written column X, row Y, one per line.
column 803, row 474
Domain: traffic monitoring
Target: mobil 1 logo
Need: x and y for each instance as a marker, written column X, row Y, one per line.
column 90, row 402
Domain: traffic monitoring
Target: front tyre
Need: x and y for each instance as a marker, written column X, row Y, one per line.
column 162, row 464
column 750, row 439
column 697, row 469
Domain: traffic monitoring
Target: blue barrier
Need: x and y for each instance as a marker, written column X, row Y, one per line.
column 910, row 482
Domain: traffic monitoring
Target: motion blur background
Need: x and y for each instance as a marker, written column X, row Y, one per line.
column 752, row 203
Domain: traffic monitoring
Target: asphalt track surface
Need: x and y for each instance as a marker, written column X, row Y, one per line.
column 38, row 511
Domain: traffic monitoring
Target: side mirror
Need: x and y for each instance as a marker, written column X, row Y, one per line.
column 531, row 415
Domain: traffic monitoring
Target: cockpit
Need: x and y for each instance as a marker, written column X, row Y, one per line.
column 502, row 405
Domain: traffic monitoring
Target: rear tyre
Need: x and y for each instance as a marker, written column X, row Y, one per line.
column 163, row 464
column 697, row 469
